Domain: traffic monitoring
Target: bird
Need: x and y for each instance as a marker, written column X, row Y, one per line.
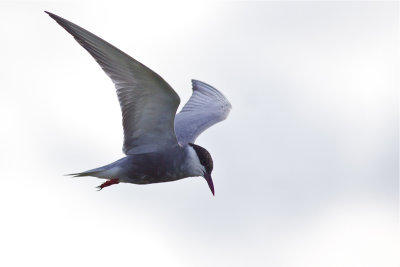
column 159, row 143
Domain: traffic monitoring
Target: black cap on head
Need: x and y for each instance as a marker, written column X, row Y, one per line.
column 207, row 162
column 204, row 157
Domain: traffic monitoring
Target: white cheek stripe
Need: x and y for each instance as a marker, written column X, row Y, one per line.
column 194, row 162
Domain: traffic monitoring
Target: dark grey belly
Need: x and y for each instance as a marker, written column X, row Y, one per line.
column 153, row 168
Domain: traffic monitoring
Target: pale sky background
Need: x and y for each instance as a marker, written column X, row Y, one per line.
column 306, row 166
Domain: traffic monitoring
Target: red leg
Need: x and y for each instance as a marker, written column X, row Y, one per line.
column 108, row 183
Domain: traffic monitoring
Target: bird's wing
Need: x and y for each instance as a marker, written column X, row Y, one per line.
column 206, row 107
column 147, row 102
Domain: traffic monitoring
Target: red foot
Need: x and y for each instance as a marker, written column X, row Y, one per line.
column 108, row 183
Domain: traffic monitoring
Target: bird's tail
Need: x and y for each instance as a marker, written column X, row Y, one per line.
column 98, row 172
column 108, row 171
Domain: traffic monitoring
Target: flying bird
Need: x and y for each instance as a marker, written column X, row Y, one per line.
column 158, row 143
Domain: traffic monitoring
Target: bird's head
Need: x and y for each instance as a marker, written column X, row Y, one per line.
column 207, row 162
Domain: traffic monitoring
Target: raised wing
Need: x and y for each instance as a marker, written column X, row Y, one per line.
column 147, row 102
column 206, row 107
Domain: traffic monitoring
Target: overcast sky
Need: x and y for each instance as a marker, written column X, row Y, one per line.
column 306, row 165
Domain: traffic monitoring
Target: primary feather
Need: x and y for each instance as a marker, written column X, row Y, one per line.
column 206, row 107
column 147, row 102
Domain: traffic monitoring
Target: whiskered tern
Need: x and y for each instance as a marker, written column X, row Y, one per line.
column 158, row 143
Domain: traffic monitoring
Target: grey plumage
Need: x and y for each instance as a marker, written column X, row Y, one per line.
column 156, row 141
column 206, row 107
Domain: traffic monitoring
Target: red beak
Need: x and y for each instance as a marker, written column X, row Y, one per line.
column 210, row 182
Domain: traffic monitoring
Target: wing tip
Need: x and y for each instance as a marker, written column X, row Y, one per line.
column 54, row 16
column 197, row 82
column 198, row 85
column 61, row 21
